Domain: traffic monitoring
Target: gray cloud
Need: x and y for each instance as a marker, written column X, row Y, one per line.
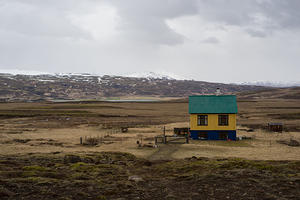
column 211, row 40
column 259, row 17
column 146, row 20
column 38, row 18
column 143, row 35
column 256, row 33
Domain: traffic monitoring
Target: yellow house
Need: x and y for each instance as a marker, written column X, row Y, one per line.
column 213, row 117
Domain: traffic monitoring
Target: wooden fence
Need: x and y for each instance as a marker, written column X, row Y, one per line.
column 164, row 139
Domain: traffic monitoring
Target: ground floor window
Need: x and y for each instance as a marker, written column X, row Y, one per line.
column 202, row 136
column 202, row 120
column 223, row 120
column 223, row 136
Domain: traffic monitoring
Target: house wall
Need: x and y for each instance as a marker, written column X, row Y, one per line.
column 213, row 135
column 213, row 122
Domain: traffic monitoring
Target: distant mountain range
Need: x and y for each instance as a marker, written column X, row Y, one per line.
column 273, row 84
column 152, row 75
column 87, row 86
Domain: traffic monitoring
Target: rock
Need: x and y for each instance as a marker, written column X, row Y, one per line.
column 5, row 193
column 135, row 178
column 90, row 189
column 203, row 158
column 147, row 163
column 21, row 141
column 120, row 163
column 88, row 160
column 294, row 143
column 72, row 159
column 170, row 196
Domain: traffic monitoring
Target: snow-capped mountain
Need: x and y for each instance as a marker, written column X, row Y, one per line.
column 148, row 75
column 273, row 83
column 22, row 72
column 156, row 75
column 86, row 86
column 76, row 74
column 37, row 73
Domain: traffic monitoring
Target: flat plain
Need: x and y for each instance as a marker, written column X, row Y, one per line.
column 57, row 127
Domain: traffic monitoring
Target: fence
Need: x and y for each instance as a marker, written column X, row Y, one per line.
column 164, row 139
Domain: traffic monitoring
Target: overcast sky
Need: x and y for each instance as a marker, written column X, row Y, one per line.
column 212, row 40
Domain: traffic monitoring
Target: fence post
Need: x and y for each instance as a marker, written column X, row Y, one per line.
column 187, row 138
column 165, row 139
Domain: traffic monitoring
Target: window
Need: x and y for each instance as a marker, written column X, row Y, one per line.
column 223, row 136
column 202, row 120
column 223, row 120
column 202, row 136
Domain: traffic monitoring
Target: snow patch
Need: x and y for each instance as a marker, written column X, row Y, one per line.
column 22, row 72
column 272, row 83
column 76, row 74
column 156, row 75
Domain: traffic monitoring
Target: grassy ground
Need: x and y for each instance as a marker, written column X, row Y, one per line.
column 262, row 146
column 257, row 113
column 57, row 127
column 110, row 175
column 20, row 116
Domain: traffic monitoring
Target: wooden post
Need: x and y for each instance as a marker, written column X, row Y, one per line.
column 80, row 140
column 187, row 138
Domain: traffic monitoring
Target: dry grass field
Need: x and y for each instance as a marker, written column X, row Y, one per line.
column 57, row 128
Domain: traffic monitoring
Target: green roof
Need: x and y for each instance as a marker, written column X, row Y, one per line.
column 212, row 104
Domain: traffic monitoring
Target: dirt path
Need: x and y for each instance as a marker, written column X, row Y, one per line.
column 164, row 152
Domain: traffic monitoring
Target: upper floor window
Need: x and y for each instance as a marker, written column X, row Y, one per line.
column 202, row 120
column 223, row 120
